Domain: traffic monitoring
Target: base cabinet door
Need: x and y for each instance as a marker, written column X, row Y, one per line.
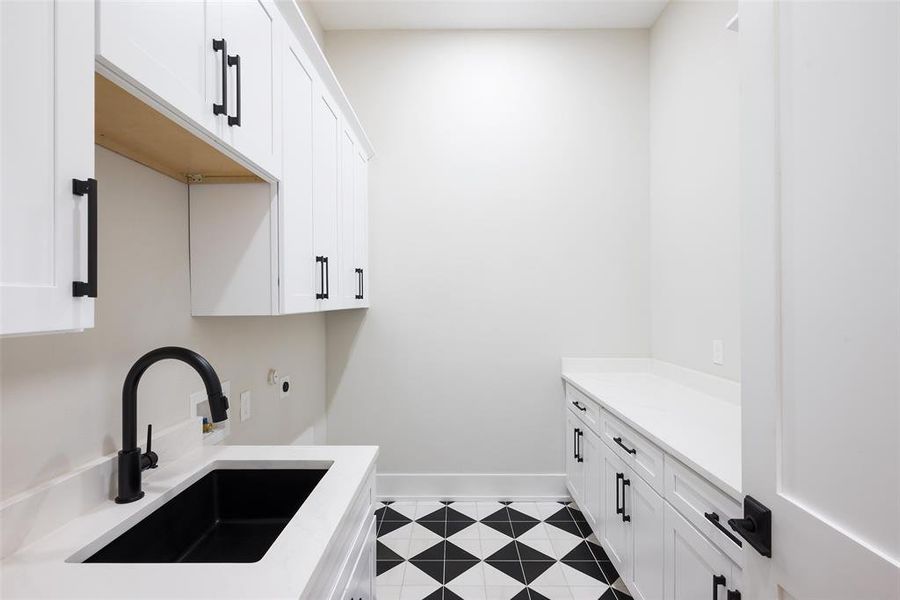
column 647, row 510
column 615, row 532
column 362, row 580
column 47, row 120
column 694, row 567
column 574, row 469
column 592, row 493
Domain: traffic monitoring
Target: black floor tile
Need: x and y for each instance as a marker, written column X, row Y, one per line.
column 508, row 553
column 454, row 552
column 533, row 595
column 520, row 527
column 504, row 527
column 389, row 526
column 535, row 568
column 590, row 568
column 453, row 527
column 438, row 527
column 449, row 595
column 569, row 526
column 383, row 566
column 509, row 567
column 437, row 594
column 502, row 515
column 455, row 568
column 436, row 552
column 609, row 571
column 527, row 553
column 580, row 552
column 438, row 515
column 515, row 515
column 389, row 514
column 455, row 515
column 434, row 568
column 382, row 552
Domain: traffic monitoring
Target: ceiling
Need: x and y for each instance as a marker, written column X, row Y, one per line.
column 486, row 14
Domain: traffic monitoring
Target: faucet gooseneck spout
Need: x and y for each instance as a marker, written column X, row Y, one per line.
column 131, row 461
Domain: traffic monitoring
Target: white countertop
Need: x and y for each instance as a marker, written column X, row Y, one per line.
column 41, row 570
column 701, row 430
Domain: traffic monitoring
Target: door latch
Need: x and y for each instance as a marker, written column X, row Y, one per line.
column 756, row 526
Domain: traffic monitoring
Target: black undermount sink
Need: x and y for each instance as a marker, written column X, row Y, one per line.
column 228, row 516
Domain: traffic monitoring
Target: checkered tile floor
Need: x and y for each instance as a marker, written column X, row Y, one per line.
column 490, row 551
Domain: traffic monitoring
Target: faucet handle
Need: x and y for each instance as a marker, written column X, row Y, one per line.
column 149, row 457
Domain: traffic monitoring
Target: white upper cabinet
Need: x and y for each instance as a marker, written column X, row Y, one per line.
column 349, row 281
column 47, row 83
column 166, row 49
column 252, row 30
column 298, row 265
column 361, row 227
column 213, row 63
column 326, row 171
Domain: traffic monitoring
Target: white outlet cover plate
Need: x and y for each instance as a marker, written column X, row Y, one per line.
column 245, row 405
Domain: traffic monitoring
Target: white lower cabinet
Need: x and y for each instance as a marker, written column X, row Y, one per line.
column 658, row 553
column 362, row 580
column 694, row 567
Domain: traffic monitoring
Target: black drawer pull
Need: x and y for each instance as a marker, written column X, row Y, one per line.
column 618, row 440
column 625, row 518
column 578, row 405
column 714, row 519
column 235, row 61
column 222, row 46
column 575, row 443
column 88, row 288
column 323, row 275
column 359, row 275
column 733, row 595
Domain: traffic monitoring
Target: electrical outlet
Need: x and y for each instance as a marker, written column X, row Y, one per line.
column 245, row 405
column 718, row 352
column 284, row 383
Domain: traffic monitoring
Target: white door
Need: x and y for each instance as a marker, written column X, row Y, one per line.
column 361, row 227
column 593, row 471
column 252, row 30
column 166, row 48
column 47, row 124
column 348, row 281
column 647, row 523
column 573, row 467
column 614, row 530
column 325, row 196
column 694, row 568
column 298, row 257
column 821, row 299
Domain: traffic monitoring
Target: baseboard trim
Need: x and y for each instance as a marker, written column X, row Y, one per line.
column 471, row 486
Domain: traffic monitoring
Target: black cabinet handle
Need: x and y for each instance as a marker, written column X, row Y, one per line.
column 733, row 595
column 574, row 443
column 578, row 405
column 327, row 279
column 222, row 46
column 235, row 61
column 620, row 508
column 81, row 187
column 322, row 262
column 625, row 518
column 717, row 581
column 618, row 440
column 714, row 519
column 580, row 456
column 359, row 276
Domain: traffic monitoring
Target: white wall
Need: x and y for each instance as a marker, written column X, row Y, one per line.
column 61, row 394
column 694, row 195
column 509, row 227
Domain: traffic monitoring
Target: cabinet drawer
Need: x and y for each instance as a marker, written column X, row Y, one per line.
column 586, row 409
column 637, row 451
column 694, row 498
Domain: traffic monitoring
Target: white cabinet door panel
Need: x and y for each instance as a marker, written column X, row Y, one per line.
column 361, row 226
column 325, row 193
column 297, row 264
column 614, row 530
column 692, row 562
column 646, row 508
column 166, row 48
column 593, row 477
column 574, row 471
column 47, row 83
column 252, row 30
column 347, row 279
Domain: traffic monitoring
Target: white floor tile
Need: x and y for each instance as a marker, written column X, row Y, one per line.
column 576, row 577
column 473, row 547
column 552, row 577
column 419, row 545
column 551, row 592
column 583, row 592
column 402, row 533
column 400, row 546
column 414, row 576
column 470, row 509
column 562, row 546
column 416, row 592
column 427, row 507
column 392, row 577
column 470, row 577
column 466, row 592
column 486, row 509
column 388, row 592
column 528, row 508
column 547, row 509
column 491, row 545
column 407, row 509
column 417, row 532
column 501, row 592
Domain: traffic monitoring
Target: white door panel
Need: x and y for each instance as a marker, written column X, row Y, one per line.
column 821, row 301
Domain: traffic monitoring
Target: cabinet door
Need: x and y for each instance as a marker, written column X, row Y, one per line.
column 298, row 257
column 349, row 282
column 646, row 508
column 361, row 226
column 593, row 479
column 574, row 469
column 325, row 195
column 47, row 83
column 692, row 563
column 614, row 529
column 166, row 48
column 252, row 30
